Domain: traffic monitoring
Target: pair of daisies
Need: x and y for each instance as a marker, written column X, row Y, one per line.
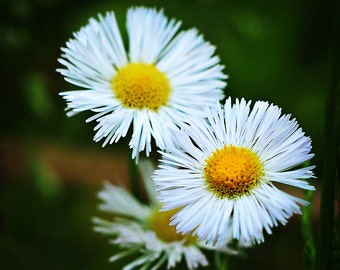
column 216, row 178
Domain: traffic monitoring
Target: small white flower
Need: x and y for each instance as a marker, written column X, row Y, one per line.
column 224, row 168
column 144, row 232
column 165, row 77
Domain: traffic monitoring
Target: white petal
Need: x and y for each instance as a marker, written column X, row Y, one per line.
column 149, row 33
column 118, row 201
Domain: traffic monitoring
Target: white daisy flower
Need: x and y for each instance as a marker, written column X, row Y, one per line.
column 143, row 231
column 224, row 170
column 165, row 77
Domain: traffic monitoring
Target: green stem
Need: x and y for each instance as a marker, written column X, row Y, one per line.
column 325, row 245
column 134, row 183
column 222, row 261
column 307, row 231
column 337, row 230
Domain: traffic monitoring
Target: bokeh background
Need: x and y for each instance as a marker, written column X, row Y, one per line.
column 50, row 168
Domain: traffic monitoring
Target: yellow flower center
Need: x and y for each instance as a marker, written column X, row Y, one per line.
column 141, row 86
column 159, row 223
column 232, row 171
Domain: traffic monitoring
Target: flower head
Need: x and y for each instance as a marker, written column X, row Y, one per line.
column 164, row 77
column 144, row 231
column 223, row 170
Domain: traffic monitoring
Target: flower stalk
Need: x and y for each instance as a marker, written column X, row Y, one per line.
column 325, row 245
column 307, row 232
column 222, row 261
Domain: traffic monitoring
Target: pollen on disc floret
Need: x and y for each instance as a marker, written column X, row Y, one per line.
column 141, row 86
column 159, row 223
column 232, row 171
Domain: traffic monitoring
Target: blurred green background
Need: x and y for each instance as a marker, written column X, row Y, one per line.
column 279, row 51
